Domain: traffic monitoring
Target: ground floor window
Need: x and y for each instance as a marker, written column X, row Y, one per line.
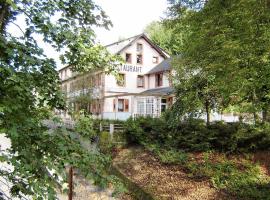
column 140, row 106
column 145, row 106
column 149, row 106
column 122, row 105
column 163, row 104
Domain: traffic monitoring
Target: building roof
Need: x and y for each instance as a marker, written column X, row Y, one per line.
column 158, row 91
column 118, row 47
column 163, row 66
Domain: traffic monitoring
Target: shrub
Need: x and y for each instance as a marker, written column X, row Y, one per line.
column 172, row 157
column 194, row 135
column 105, row 142
column 84, row 126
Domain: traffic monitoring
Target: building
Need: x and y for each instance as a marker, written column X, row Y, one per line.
column 143, row 87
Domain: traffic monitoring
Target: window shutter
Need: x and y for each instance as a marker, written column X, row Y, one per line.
column 113, row 105
column 126, row 102
column 156, row 81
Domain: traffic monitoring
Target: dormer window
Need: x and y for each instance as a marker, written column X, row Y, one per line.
column 139, row 59
column 128, row 58
column 139, row 47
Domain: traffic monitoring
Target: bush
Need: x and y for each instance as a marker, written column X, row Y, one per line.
column 105, row 143
column 84, row 126
column 194, row 135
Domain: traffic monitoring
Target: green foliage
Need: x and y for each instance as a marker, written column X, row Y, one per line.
column 84, row 126
column 172, row 157
column 242, row 179
column 105, row 142
column 109, row 144
column 29, row 89
column 163, row 37
column 194, row 135
column 222, row 61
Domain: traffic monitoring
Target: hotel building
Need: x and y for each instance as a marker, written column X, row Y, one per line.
column 143, row 87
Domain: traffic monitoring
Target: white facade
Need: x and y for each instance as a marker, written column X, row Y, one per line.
column 141, row 90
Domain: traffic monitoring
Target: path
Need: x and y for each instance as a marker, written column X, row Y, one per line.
column 164, row 181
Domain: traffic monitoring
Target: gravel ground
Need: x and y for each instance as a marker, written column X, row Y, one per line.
column 163, row 181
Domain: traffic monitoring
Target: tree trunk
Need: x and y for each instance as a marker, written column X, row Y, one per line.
column 4, row 13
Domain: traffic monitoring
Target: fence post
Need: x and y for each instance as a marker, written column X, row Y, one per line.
column 100, row 127
column 111, row 130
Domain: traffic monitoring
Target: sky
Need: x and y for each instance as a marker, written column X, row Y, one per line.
column 129, row 18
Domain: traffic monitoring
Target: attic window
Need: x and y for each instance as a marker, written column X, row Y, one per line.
column 155, row 59
column 139, row 47
column 128, row 57
column 139, row 59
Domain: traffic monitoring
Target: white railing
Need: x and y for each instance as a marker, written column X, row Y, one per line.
column 153, row 115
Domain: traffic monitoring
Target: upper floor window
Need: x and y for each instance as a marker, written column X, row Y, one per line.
column 159, row 80
column 140, row 81
column 139, row 47
column 139, row 59
column 155, row 59
column 128, row 58
column 121, row 80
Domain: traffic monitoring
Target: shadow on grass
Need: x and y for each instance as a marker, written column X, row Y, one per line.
column 260, row 191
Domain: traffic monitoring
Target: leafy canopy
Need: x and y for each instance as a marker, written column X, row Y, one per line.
column 29, row 89
column 227, row 42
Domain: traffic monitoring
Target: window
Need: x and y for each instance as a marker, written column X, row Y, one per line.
column 155, row 59
column 128, row 58
column 159, row 79
column 140, row 81
column 140, row 106
column 139, row 59
column 122, row 105
column 163, row 104
column 149, row 106
column 139, row 47
column 121, row 80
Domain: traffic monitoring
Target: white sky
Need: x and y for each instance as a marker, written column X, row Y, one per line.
column 129, row 18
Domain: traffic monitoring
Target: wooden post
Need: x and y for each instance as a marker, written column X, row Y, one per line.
column 111, row 130
column 100, row 127
column 70, row 184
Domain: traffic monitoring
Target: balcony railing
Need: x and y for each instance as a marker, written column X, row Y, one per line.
column 153, row 115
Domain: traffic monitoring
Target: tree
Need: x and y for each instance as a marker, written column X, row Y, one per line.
column 29, row 90
column 229, row 41
column 166, row 35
